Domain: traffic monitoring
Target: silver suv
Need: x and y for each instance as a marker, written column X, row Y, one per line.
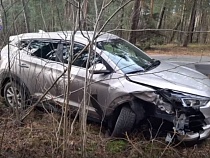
column 127, row 86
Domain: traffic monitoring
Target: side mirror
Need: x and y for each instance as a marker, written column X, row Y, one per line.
column 99, row 69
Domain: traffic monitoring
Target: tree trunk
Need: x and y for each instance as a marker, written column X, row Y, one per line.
column 151, row 8
column 204, row 27
column 68, row 13
column 85, row 11
column 161, row 15
column 175, row 28
column 1, row 23
column 25, row 14
column 52, row 21
column 134, row 21
column 190, row 29
column 182, row 21
column 120, row 32
column 198, row 20
column 14, row 31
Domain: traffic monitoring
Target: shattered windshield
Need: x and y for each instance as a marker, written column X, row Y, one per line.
column 126, row 56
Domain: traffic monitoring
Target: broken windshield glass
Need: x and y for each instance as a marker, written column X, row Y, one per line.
column 125, row 55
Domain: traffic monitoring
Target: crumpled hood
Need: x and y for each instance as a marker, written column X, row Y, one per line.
column 174, row 77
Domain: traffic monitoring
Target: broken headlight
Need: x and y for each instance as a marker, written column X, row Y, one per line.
column 187, row 100
column 194, row 102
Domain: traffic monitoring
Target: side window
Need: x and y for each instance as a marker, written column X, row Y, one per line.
column 23, row 44
column 59, row 51
column 55, row 51
column 42, row 49
column 80, row 58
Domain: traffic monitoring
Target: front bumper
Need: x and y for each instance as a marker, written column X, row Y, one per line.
column 204, row 133
column 190, row 136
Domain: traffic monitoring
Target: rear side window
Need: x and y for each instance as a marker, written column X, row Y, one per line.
column 23, row 44
column 42, row 49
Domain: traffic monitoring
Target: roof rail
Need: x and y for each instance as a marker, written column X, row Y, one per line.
column 12, row 38
column 41, row 31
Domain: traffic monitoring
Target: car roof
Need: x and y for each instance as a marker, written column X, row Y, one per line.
column 80, row 36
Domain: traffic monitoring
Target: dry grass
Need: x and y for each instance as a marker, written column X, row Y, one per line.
column 36, row 138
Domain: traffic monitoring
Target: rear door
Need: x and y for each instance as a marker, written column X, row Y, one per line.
column 45, row 67
column 37, row 70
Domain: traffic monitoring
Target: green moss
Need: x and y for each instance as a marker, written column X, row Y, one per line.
column 116, row 146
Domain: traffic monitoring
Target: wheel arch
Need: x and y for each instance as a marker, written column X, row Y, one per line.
column 6, row 77
column 136, row 106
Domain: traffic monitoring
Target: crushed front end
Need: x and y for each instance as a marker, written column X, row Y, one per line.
column 189, row 114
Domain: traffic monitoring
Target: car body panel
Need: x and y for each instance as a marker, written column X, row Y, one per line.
column 203, row 67
column 175, row 77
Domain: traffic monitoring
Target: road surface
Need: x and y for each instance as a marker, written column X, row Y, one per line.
column 185, row 60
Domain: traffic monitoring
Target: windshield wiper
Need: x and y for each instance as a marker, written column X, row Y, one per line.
column 135, row 71
column 153, row 64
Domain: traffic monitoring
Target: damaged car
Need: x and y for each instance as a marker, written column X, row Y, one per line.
column 126, row 85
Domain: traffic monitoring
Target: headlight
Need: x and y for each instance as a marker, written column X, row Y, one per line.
column 194, row 102
column 187, row 100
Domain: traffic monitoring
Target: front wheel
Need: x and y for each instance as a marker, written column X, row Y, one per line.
column 125, row 122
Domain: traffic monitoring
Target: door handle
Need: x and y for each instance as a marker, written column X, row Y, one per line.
column 23, row 65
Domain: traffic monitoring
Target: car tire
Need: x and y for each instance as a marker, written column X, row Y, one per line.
column 9, row 94
column 124, row 123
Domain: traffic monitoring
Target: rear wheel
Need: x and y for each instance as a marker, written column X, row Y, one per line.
column 124, row 123
column 15, row 95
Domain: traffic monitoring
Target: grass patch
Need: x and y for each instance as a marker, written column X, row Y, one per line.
column 116, row 146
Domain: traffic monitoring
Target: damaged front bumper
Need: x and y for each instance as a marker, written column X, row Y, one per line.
column 188, row 115
column 204, row 131
column 191, row 136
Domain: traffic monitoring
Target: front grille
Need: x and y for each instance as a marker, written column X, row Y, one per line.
column 196, row 122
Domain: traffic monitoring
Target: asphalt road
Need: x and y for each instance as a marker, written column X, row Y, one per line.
column 185, row 60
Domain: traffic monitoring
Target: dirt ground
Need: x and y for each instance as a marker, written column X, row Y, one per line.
column 39, row 136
